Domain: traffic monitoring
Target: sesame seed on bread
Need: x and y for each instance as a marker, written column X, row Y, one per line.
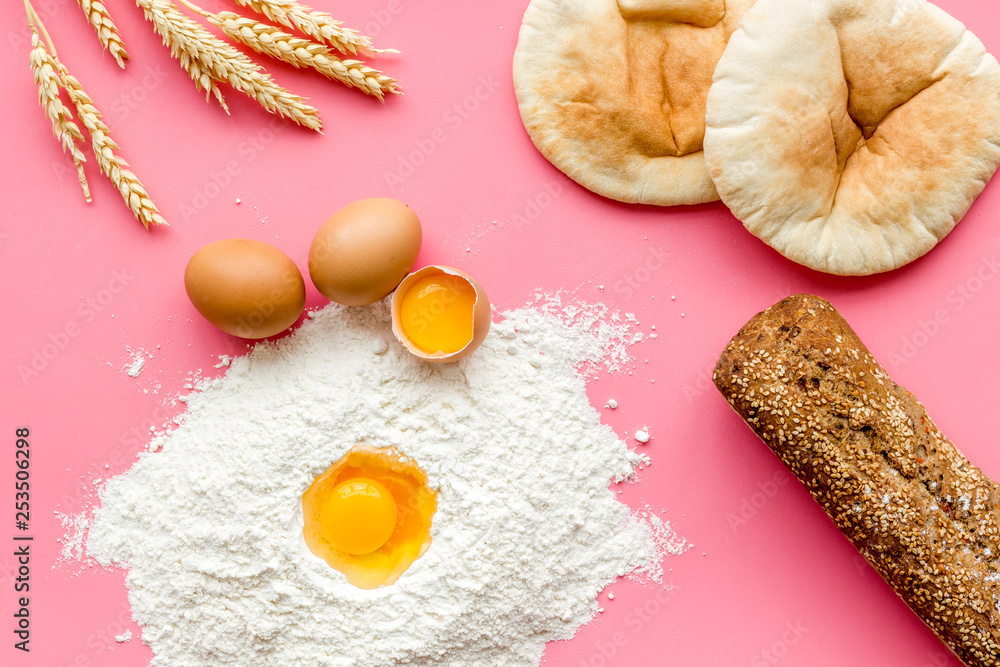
column 864, row 447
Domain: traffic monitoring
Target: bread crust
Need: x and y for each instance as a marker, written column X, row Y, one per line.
column 918, row 511
column 852, row 135
column 613, row 92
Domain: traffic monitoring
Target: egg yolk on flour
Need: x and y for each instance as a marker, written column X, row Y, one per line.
column 437, row 313
column 369, row 515
column 358, row 516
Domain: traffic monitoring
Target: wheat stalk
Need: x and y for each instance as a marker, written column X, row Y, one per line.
column 106, row 30
column 45, row 68
column 209, row 61
column 202, row 79
column 301, row 53
column 112, row 165
column 319, row 25
column 51, row 76
column 176, row 35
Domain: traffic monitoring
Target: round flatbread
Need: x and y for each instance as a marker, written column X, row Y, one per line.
column 852, row 135
column 613, row 93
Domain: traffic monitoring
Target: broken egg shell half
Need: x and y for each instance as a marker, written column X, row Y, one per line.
column 481, row 314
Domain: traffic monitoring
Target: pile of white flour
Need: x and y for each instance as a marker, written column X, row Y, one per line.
column 526, row 533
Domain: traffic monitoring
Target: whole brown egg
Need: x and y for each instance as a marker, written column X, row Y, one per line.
column 246, row 288
column 364, row 250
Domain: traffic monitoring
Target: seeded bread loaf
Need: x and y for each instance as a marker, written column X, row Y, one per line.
column 913, row 505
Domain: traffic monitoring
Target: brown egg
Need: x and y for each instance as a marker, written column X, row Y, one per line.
column 246, row 288
column 440, row 313
column 362, row 252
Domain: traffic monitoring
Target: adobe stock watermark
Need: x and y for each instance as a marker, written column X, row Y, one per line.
column 776, row 652
column 58, row 341
column 452, row 119
column 381, row 18
column 20, row 40
column 935, row 658
column 703, row 380
column 137, row 437
column 249, row 326
column 955, row 300
column 133, row 440
column 635, row 622
column 123, row 105
column 939, row 659
column 221, row 177
column 633, row 281
column 429, row 312
column 101, row 640
column 750, row 506
column 533, row 206
column 803, row 112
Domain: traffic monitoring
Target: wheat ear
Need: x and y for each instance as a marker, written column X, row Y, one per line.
column 106, row 30
column 46, row 70
column 319, row 25
column 112, row 165
column 301, row 53
column 209, row 61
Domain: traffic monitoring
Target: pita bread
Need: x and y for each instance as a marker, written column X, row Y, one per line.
column 852, row 135
column 613, row 93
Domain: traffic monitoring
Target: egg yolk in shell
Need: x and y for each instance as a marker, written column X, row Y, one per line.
column 369, row 515
column 436, row 313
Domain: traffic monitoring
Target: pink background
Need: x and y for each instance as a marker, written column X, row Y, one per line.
column 769, row 581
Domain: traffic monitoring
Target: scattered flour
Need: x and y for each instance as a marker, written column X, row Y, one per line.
column 136, row 362
column 74, row 534
column 526, row 535
column 123, row 637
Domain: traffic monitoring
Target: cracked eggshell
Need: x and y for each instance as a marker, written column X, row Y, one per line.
column 363, row 250
column 245, row 287
column 481, row 314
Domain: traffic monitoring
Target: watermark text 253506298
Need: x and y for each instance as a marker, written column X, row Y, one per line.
column 22, row 541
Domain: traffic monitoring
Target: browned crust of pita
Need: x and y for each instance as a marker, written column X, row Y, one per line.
column 700, row 13
column 904, row 495
column 865, row 159
column 619, row 104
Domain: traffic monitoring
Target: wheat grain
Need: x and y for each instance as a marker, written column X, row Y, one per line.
column 203, row 80
column 209, row 61
column 303, row 53
column 112, row 165
column 106, row 30
column 51, row 76
column 46, row 68
column 319, row 25
column 182, row 40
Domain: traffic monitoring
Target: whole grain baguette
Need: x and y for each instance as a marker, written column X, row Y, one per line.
column 913, row 505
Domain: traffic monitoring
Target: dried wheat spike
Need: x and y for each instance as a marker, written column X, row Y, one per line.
column 46, row 70
column 176, row 36
column 202, row 79
column 112, row 165
column 303, row 53
column 319, row 25
column 210, row 61
column 106, row 30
